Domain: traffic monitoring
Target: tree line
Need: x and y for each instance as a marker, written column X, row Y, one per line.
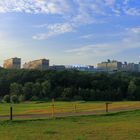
column 67, row 85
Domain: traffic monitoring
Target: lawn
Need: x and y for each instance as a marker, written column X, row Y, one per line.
column 117, row 126
column 64, row 107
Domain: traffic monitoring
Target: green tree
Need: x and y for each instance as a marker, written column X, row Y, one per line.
column 14, row 99
column 6, row 98
column 15, row 89
column 131, row 89
column 37, row 90
column 21, row 98
column 27, row 90
column 46, row 89
column 67, row 94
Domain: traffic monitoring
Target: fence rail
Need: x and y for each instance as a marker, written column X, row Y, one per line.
column 55, row 110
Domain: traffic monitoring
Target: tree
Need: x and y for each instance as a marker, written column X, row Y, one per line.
column 46, row 89
column 21, row 98
column 6, row 98
column 37, row 90
column 14, row 99
column 131, row 89
column 67, row 94
column 27, row 90
column 15, row 89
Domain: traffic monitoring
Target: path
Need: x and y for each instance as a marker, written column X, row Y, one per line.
column 42, row 116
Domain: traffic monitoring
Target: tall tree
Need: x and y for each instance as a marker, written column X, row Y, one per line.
column 131, row 90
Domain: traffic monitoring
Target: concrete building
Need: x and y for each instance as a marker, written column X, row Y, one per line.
column 102, row 65
column 130, row 67
column 110, row 65
column 12, row 63
column 41, row 64
column 57, row 67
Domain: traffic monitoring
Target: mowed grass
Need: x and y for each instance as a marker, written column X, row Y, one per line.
column 65, row 107
column 117, row 126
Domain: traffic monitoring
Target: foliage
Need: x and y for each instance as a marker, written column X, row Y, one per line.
column 70, row 85
column 14, row 99
column 6, row 98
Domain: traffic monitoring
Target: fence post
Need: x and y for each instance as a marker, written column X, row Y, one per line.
column 107, row 107
column 52, row 107
column 11, row 113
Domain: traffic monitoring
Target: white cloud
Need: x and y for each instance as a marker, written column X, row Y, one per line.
column 129, row 40
column 54, row 30
column 135, row 30
column 110, row 2
column 34, row 6
column 73, row 13
column 93, row 49
column 68, row 6
column 132, row 11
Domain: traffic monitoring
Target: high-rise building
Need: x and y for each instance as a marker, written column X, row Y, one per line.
column 12, row 63
column 110, row 65
column 41, row 64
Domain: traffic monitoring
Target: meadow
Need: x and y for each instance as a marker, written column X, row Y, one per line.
column 66, row 107
column 112, row 126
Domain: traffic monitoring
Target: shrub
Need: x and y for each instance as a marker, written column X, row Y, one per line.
column 34, row 98
column 6, row 98
column 21, row 98
column 14, row 99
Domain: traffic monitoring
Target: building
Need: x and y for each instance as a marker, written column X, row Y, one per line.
column 41, row 64
column 130, row 67
column 81, row 67
column 12, row 63
column 102, row 65
column 57, row 67
column 110, row 65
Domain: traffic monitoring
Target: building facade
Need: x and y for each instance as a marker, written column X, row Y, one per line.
column 41, row 64
column 57, row 67
column 130, row 67
column 12, row 63
column 110, row 65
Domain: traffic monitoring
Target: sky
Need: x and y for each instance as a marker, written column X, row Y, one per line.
column 70, row 31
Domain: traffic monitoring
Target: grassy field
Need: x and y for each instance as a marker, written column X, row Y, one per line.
column 64, row 107
column 117, row 126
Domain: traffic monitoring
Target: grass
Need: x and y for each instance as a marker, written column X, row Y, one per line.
column 64, row 107
column 115, row 126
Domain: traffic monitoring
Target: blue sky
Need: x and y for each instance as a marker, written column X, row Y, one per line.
column 70, row 31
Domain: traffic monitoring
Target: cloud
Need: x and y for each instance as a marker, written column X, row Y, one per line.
column 110, row 2
column 132, row 11
column 133, row 30
column 34, row 6
column 63, row 7
column 54, row 30
column 129, row 40
column 92, row 49
column 72, row 13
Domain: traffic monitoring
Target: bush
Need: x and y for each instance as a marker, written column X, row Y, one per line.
column 34, row 98
column 14, row 99
column 21, row 98
column 6, row 98
column 77, row 98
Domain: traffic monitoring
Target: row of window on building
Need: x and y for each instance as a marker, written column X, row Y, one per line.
column 118, row 66
column 41, row 64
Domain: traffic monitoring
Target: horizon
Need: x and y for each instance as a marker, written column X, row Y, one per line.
column 69, row 32
column 77, row 65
